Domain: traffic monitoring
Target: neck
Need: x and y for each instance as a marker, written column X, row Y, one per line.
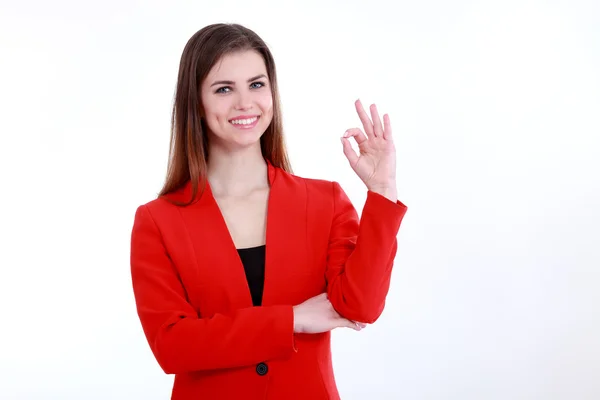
column 237, row 173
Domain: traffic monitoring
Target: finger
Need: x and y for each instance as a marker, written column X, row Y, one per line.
column 357, row 134
column 387, row 127
column 364, row 118
column 377, row 128
column 349, row 324
column 361, row 324
column 349, row 151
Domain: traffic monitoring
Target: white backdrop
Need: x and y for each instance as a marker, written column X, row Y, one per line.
column 495, row 108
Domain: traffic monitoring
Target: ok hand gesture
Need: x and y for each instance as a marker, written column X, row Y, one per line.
column 376, row 163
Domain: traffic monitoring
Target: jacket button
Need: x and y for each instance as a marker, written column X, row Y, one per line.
column 262, row 369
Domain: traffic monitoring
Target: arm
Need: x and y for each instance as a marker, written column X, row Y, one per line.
column 179, row 339
column 361, row 254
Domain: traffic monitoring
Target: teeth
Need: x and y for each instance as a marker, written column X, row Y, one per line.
column 244, row 121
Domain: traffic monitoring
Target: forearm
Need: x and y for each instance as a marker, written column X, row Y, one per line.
column 246, row 338
column 361, row 259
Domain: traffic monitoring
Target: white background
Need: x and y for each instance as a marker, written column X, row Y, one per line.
column 495, row 108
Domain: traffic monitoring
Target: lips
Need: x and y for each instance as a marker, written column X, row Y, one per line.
column 247, row 126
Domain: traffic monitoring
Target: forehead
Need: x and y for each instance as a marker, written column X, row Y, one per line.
column 238, row 66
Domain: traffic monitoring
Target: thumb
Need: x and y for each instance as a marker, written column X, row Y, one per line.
column 349, row 151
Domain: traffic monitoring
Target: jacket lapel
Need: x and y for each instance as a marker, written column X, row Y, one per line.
column 221, row 278
column 220, row 270
column 286, row 236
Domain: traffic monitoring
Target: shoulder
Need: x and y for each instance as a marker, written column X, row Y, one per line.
column 322, row 192
column 157, row 205
column 313, row 186
column 163, row 207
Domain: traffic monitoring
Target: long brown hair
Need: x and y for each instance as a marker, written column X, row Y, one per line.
column 188, row 153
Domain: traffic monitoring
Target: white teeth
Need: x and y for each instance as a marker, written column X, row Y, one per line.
column 244, row 121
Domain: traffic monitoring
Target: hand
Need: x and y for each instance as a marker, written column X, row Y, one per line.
column 316, row 315
column 376, row 164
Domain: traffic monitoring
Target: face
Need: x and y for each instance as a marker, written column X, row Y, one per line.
column 237, row 103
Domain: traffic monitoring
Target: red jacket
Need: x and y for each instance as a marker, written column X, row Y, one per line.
column 194, row 302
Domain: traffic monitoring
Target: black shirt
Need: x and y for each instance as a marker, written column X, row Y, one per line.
column 253, row 259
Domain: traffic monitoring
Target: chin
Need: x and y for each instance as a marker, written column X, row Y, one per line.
column 248, row 141
column 240, row 140
column 246, row 138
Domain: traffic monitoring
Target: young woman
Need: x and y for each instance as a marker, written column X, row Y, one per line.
column 241, row 269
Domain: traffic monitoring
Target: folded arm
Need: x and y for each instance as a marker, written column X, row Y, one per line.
column 180, row 340
column 361, row 254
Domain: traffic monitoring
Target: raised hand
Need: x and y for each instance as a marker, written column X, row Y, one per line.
column 376, row 163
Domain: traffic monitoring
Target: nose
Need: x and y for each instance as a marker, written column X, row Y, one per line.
column 243, row 101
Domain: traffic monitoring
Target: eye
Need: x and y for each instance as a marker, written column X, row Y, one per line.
column 219, row 90
column 259, row 83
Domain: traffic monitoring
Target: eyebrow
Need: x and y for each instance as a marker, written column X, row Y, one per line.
column 233, row 83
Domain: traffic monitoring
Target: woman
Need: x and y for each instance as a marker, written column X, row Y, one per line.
column 240, row 269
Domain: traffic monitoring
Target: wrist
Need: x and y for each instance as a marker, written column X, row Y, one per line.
column 295, row 318
column 389, row 192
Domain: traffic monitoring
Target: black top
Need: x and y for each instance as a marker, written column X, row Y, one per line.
column 253, row 259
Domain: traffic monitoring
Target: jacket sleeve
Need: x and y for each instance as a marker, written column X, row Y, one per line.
column 361, row 254
column 180, row 340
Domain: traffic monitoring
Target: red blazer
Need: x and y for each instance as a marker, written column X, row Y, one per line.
column 194, row 302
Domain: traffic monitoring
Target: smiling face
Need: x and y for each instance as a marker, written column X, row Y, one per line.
column 237, row 103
